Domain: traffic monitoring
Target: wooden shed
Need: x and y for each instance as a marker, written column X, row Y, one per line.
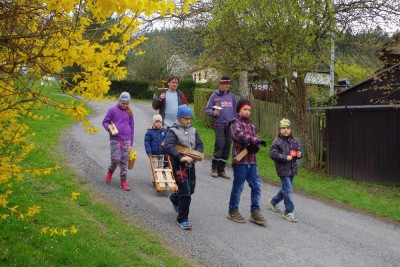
column 363, row 130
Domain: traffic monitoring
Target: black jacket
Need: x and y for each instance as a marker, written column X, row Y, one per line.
column 279, row 151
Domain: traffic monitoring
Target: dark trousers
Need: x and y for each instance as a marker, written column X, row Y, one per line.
column 222, row 147
column 185, row 178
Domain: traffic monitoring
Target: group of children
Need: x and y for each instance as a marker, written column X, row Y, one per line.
column 284, row 151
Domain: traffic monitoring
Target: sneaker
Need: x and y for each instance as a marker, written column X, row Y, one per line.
column 274, row 207
column 257, row 218
column 236, row 217
column 290, row 217
column 109, row 176
column 224, row 175
column 185, row 225
column 125, row 186
column 214, row 173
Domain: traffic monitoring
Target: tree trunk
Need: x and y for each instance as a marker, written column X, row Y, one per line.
column 243, row 85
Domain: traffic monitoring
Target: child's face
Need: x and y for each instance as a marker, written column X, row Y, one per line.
column 123, row 105
column 285, row 131
column 185, row 121
column 245, row 111
column 157, row 124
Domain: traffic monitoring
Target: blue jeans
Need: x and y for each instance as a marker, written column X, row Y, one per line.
column 285, row 193
column 242, row 173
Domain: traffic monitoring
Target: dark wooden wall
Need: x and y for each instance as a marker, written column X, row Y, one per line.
column 363, row 144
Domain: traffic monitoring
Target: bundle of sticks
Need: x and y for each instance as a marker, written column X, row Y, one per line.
column 196, row 155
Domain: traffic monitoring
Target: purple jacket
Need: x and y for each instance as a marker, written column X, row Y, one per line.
column 123, row 122
column 227, row 101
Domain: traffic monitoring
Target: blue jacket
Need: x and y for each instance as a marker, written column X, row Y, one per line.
column 153, row 139
column 279, row 151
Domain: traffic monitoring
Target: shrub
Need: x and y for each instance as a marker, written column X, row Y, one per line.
column 201, row 97
column 137, row 89
column 187, row 86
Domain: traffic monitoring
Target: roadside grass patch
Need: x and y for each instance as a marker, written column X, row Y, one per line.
column 104, row 237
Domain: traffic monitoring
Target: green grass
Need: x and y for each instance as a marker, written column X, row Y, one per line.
column 380, row 200
column 105, row 236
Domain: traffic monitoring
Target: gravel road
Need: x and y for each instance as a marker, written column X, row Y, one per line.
column 324, row 236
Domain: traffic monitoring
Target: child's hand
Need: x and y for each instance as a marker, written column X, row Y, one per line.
column 186, row 159
column 299, row 154
column 289, row 158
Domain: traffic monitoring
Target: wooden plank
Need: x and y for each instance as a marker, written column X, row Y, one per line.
column 169, row 177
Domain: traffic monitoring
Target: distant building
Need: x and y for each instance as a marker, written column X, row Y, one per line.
column 204, row 74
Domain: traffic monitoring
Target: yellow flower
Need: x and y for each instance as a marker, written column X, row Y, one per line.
column 74, row 195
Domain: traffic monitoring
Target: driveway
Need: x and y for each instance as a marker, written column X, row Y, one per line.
column 324, row 235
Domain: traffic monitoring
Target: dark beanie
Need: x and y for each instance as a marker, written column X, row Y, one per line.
column 242, row 102
column 225, row 80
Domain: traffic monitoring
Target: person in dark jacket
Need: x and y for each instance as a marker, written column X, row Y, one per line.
column 182, row 133
column 244, row 137
column 285, row 151
column 221, row 108
column 119, row 123
column 153, row 139
column 168, row 101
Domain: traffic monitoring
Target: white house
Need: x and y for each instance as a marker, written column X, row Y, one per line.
column 204, row 74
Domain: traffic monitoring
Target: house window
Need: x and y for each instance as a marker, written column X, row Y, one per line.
column 199, row 76
column 194, row 77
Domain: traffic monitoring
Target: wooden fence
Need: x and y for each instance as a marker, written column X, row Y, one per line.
column 266, row 115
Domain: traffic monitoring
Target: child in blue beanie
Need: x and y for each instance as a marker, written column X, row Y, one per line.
column 184, row 134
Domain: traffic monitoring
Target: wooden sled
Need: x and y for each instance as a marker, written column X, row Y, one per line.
column 163, row 178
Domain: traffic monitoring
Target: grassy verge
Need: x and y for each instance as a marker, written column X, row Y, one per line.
column 380, row 200
column 104, row 237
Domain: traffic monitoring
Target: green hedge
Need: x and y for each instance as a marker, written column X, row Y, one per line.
column 188, row 86
column 201, row 97
column 137, row 89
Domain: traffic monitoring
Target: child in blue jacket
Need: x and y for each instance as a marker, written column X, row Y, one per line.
column 153, row 139
column 285, row 151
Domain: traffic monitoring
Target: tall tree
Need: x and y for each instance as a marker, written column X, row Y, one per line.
column 282, row 40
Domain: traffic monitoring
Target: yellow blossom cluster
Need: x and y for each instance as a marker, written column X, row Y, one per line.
column 80, row 45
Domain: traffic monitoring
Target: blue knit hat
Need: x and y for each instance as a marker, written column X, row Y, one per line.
column 184, row 110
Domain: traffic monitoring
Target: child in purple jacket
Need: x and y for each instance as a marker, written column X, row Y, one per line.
column 120, row 117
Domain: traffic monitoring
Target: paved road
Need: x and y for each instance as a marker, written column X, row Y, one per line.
column 324, row 235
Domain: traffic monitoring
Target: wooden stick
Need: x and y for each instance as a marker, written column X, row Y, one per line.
column 239, row 156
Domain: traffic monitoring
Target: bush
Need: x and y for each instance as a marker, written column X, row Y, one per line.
column 201, row 97
column 137, row 89
column 187, row 86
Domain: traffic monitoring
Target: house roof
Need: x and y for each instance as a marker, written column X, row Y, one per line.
column 376, row 74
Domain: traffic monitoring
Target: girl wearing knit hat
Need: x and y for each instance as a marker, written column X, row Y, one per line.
column 119, row 123
column 285, row 151
column 184, row 134
column 243, row 135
